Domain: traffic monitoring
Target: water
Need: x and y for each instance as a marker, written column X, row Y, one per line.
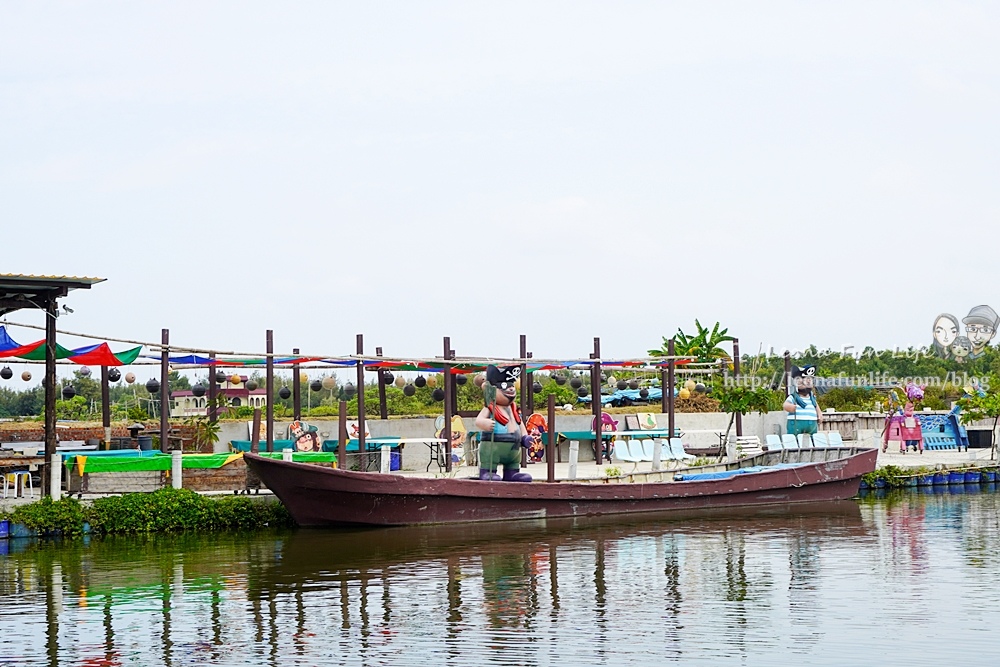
column 901, row 579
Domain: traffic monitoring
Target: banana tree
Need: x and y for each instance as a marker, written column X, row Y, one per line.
column 703, row 345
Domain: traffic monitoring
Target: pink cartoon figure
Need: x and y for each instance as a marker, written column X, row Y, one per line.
column 608, row 425
column 903, row 425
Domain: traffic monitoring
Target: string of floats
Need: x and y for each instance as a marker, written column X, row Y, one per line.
column 438, row 364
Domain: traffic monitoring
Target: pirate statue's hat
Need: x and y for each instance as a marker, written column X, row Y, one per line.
column 502, row 377
column 807, row 371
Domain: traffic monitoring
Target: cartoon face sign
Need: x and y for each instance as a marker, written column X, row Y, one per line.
column 961, row 348
column 980, row 327
column 305, row 436
column 945, row 330
column 607, row 423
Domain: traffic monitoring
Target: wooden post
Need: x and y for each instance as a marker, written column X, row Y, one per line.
column 595, row 402
column 446, row 432
column 383, row 411
column 269, row 381
column 165, row 390
column 106, row 406
column 361, row 405
column 255, row 432
column 296, row 392
column 788, row 372
column 671, row 379
column 342, row 436
column 213, row 392
column 50, row 386
column 525, row 392
column 736, row 381
column 551, row 444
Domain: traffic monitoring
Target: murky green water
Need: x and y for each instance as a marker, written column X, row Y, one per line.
column 907, row 579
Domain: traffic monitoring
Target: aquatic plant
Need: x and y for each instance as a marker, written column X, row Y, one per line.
column 166, row 510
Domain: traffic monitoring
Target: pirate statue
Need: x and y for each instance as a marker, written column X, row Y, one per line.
column 803, row 411
column 503, row 433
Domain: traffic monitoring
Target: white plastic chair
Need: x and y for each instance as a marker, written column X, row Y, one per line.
column 788, row 441
column 835, row 439
column 805, row 441
column 635, row 449
column 677, row 451
column 622, row 453
column 12, row 478
column 647, row 449
column 819, row 440
column 773, row 442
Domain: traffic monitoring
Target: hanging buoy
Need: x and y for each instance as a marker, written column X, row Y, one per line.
column 438, row 394
column 399, row 381
column 85, row 371
column 421, row 381
column 130, row 377
column 152, row 385
column 6, row 373
column 409, row 390
column 251, row 385
column 461, row 379
column 114, row 375
column 26, row 376
column 329, row 383
column 284, row 392
column 68, row 392
column 198, row 389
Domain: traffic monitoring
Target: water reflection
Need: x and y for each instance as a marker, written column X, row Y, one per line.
column 715, row 589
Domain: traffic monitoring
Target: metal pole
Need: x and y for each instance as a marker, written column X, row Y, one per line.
column 595, row 402
column 671, row 379
column 361, row 405
column 165, row 390
column 213, row 392
column 50, row 385
column 270, row 390
column 106, row 406
column 342, row 436
column 736, row 380
column 296, row 394
column 383, row 411
column 446, row 432
column 550, row 449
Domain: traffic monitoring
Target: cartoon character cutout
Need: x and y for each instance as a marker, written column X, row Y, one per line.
column 961, row 349
column 354, row 430
column 458, row 434
column 980, row 328
column 305, row 436
column 537, row 428
column 945, row 332
column 608, row 425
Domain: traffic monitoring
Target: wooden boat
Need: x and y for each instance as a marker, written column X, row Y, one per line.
column 319, row 496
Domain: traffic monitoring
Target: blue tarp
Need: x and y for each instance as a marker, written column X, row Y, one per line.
column 724, row 474
column 620, row 396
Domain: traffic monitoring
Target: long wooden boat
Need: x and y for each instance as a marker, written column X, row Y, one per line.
column 320, row 496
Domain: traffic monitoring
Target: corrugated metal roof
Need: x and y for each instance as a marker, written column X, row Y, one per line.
column 33, row 278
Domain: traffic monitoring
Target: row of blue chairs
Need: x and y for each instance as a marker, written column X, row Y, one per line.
column 803, row 440
column 636, row 450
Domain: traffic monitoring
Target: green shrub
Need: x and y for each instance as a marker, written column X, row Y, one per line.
column 173, row 510
column 62, row 517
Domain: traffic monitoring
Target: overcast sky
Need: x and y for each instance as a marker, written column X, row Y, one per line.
column 802, row 172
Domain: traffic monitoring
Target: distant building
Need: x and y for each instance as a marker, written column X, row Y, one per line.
column 186, row 404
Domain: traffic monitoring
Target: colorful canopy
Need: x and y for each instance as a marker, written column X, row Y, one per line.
column 90, row 355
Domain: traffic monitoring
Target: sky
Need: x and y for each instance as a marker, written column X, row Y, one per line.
column 803, row 173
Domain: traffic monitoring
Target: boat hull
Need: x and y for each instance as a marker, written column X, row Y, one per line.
column 319, row 496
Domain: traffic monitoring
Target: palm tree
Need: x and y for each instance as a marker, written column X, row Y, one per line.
column 703, row 345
